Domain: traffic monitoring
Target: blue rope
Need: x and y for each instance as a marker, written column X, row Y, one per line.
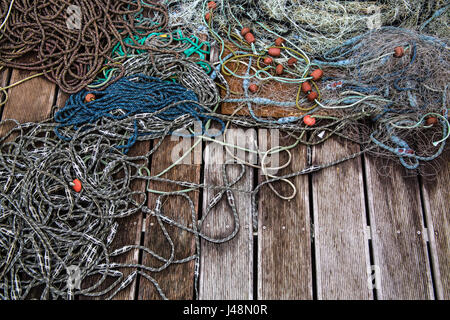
column 434, row 16
column 133, row 95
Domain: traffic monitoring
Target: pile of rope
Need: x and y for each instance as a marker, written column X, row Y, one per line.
column 71, row 43
column 165, row 105
column 66, row 183
column 48, row 226
column 171, row 42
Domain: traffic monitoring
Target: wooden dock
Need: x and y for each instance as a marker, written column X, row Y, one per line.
column 350, row 233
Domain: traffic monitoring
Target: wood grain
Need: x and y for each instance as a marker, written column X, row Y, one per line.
column 284, row 235
column 61, row 99
column 341, row 245
column 177, row 281
column 437, row 209
column 226, row 271
column 4, row 75
column 399, row 247
column 30, row 101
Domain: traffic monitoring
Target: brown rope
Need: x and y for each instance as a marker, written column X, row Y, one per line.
column 72, row 56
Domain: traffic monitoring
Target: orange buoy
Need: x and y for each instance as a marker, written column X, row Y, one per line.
column 253, row 88
column 212, row 5
column 309, row 121
column 244, row 31
column 76, row 185
column 249, row 38
column 431, row 121
column 312, row 96
column 316, row 74
column 279, row 42
column 399, row 52
column 292, row 61
column 279, row 69
column 274, row 52
column 89, row 97
column 306, row 87
column 268, row 60
column 207, row 16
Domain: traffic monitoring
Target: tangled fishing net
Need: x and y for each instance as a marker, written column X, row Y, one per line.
column 313, row 26
column 405, row 96
column 312, row 70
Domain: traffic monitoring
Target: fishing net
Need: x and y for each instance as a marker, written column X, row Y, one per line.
column 371, row 73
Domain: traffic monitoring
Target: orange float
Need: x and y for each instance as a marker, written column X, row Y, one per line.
column 279, row 42
column 89, row 97
column 253, row 88
column 76, row 185
column 212, row 5
column 306, row 87
column 309, row 121
column 399, row 52
column 317, row 74
column 274, row 52
column 312, row 96
column 279, row 69
column 268, row 60
column 249, row 38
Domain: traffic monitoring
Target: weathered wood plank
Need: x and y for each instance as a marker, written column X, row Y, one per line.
column 399, row 247
column 226, row 271
column 61, row 99
column 284, row 234
column 30, row 101
column 436, row 199
column 177, row 281
column 341, row 245
column 4, row 73
column 128, row 232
